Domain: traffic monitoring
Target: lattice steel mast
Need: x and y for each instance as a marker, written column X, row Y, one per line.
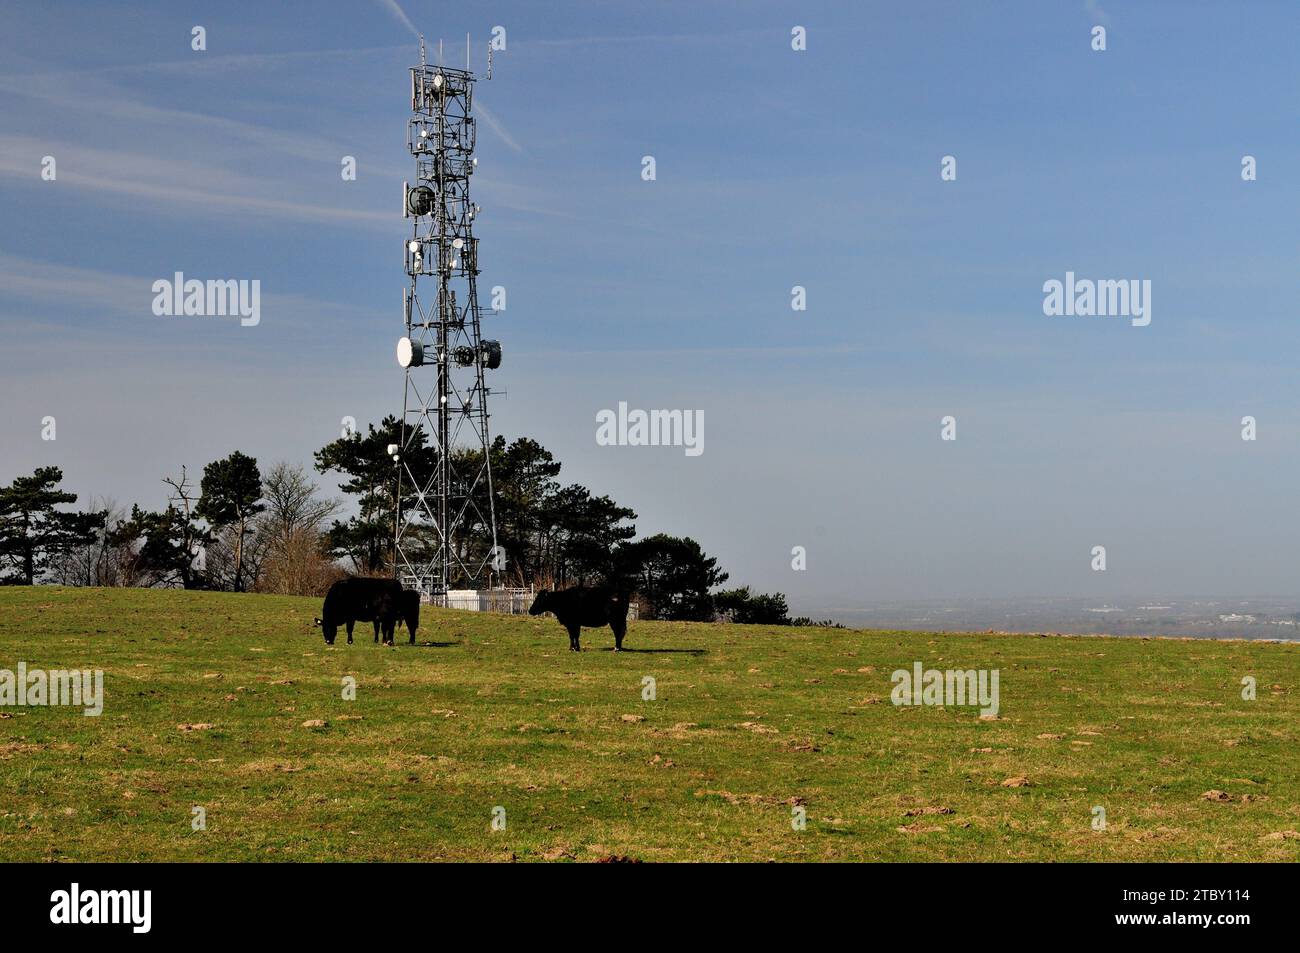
column 445, row 514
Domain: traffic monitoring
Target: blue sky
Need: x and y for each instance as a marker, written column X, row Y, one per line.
column 775, row 168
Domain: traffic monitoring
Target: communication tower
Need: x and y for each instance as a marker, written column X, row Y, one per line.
column 445, row 513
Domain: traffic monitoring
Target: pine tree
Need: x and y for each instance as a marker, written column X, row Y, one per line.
column 32, row 531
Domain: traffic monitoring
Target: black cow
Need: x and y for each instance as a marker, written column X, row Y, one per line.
column 408, row 611
column 410, row 607
column 381, row 601
column 581, row 606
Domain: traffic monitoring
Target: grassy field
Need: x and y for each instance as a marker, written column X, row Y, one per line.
column 748, row 723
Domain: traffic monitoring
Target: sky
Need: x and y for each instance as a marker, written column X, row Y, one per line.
column 774, row 168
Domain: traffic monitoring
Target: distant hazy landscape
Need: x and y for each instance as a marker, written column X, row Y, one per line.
column 1259, row 618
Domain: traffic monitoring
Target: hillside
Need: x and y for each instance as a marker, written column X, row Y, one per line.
column 493, row 711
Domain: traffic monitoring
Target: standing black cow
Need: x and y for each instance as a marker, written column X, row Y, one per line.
column 580, row 606
column 410, row 608
column 408, row 611
column 381, row 601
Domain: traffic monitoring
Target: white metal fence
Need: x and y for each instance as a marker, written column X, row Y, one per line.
column 509, row 601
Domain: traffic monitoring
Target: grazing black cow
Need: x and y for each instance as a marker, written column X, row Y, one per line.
column 381, row 601
column 581, row 606
column 408, row 611
column 410, row 607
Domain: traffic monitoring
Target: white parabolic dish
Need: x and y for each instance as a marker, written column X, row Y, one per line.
column 409, row 353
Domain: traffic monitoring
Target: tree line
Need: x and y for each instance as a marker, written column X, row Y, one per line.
column 239, row 529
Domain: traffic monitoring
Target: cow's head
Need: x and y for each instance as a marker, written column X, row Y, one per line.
column 411, row 610
column 541, row 603
column 328, row 630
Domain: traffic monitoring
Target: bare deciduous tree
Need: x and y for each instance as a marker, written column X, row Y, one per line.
column 289, row 545
column 95, row 561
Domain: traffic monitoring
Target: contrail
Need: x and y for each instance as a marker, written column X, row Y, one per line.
column 396, row 11
column 499, row 129
column 492, row 121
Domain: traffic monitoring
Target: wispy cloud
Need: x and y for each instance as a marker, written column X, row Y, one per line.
column 170, row 184
column 209, row 63
column 495, row 125
column 119, row 106
column 399, row 14
column 33, row 280
column 711, row 38
column 95, row 292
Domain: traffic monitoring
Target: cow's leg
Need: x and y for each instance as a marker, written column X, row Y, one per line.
column 389, row 625
column 376, row 630
column 350, row 624
column 574, row 632
column 620, row 629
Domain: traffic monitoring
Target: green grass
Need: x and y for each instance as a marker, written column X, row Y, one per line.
column 748, row 722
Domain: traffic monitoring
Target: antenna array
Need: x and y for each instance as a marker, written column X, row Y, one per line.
column 445, row 513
